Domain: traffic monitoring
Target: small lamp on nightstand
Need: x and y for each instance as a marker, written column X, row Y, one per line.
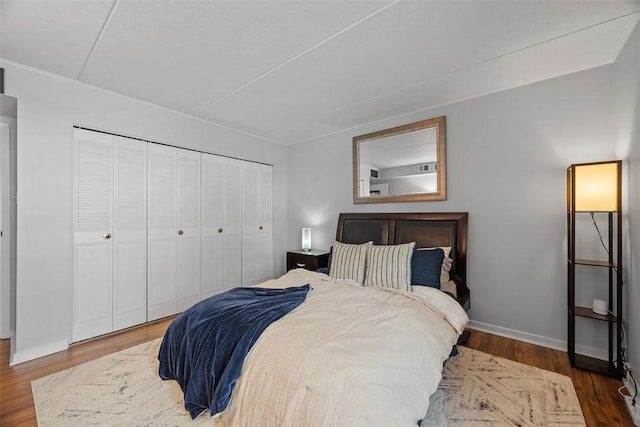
column 306, row 239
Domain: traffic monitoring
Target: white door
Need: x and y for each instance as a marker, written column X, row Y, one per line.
column 257, row 223
column 162, row 232
column 92, row 226
column 232, row 220
column 5, row 229
column 221, row 224
column 265, row 196
column 189, row 249
column 130, row 233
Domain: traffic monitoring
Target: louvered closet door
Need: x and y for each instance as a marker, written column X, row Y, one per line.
column 265, row 197
column 189, row 232
column 162, row 232
column 130, row 233
column 232, row 216
column 221, row 224
column 257, row 223
column 92, row 228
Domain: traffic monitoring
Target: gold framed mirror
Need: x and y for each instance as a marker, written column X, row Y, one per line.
column 403, row 164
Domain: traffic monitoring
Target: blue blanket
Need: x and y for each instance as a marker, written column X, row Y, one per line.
column 204, row 348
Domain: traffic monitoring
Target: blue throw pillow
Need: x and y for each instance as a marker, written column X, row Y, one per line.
column 426, row 266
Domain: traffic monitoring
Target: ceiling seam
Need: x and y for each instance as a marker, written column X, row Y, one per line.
column 304, row 52
column 407, row 113
column 161, row 107
column 543, row 42
column 97, row 40
column 463, row 68
column 629, row 32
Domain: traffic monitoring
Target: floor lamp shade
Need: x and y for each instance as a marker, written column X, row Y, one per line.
column 596, row 186
column 306, row 239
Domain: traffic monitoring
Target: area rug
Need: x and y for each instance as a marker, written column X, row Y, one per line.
column 478, row 389
column 123, row 389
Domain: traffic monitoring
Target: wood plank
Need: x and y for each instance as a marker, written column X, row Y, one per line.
column 601, row 404
column 589, row 313
column 595, row 263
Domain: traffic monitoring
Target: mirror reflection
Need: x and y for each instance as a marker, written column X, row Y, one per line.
column 406, row 163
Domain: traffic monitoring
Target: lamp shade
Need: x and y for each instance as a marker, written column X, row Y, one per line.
column 306, row 239
column 596, row 186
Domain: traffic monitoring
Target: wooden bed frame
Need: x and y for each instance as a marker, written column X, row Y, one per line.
column 426, row 229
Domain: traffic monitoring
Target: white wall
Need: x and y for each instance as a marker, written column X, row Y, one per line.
column 627, row 79
column 507, row 155
column 48, row 107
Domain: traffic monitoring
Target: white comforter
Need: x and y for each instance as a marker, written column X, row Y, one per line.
column 348, row 356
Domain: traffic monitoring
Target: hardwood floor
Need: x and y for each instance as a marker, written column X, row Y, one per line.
column 16, row 399
column 601, row 404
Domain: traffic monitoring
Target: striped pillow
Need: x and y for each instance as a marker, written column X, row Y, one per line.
column 390, row 266
column 348, row 261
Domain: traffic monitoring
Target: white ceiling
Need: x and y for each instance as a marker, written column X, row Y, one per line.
column 290, row 71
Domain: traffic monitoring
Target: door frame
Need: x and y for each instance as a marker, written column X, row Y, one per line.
column 8, row 207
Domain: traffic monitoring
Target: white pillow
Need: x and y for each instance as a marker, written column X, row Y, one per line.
column 348, row 261
column 450, row 287
column 447, row 263
column 389, row 266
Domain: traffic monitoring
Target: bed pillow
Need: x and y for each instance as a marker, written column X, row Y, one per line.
column 446, row 267
column 447, row 262
column 348, row 261
column 426, row 267
column 390, row 266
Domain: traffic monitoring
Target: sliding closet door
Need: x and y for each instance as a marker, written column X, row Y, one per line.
column 232, row 222
column 221, row 224
column 189, row 256
column 162, row 225
column 265, row 197
column 257, row 223
column 92, row 228
column 130, row 233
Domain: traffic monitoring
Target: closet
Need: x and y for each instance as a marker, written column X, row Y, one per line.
column 158, row 228
column 109, row 241
column 221, row 224
column 174, row 230
column 257, row 223
column 174, row 262
column 162, row 228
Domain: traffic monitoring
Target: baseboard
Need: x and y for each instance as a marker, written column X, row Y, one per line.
column 536, row 339
column 34, row 353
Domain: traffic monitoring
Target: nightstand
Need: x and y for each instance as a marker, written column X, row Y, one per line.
column 309, row 260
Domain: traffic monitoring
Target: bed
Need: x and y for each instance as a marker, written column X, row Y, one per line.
column 428, row 230
column 331, row 351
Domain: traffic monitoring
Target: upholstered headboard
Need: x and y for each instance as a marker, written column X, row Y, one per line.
column 426, row 229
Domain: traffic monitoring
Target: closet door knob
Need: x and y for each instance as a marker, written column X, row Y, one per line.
column 260, row 227
column 180, row 232
column 106, row 236
column 219, row 230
